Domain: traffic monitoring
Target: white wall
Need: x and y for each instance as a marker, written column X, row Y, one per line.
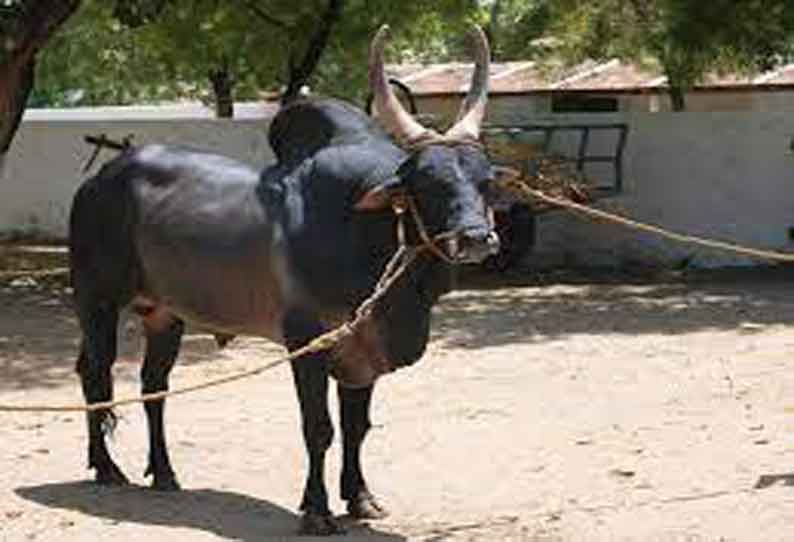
column 723, row 175
column 502, row 109
column 44, row 166
column 705, row 101
column 728, row 176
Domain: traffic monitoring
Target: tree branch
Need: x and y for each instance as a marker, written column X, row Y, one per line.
column 43, row 19
column 492, row 30
column 300, row 73
column 642, row 10
column 34, row 27
column 266, row 17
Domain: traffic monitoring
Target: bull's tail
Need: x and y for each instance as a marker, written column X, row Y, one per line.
column 103, row 271
column 102, row 255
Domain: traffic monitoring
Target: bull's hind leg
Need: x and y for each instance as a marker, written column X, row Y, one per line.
column 162, row 348
column 311, row 382
column 354, row 417
column 97, row 354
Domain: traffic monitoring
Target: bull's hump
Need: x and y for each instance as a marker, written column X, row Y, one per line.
column 305, row 127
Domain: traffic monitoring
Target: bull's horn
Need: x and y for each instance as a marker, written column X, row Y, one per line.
column 395, row 119
column 472, row 112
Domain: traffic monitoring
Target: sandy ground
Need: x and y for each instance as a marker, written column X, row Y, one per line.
column 562, row 409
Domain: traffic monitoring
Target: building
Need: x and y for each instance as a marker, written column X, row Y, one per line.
column 521, row 90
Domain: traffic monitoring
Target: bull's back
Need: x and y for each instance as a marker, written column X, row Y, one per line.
column 204, row 244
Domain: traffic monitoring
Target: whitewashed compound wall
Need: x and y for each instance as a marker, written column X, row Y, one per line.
column 723, row 175
column 44, row 166
column 728, row 176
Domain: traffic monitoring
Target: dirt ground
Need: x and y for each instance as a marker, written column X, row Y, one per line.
column 555, row 408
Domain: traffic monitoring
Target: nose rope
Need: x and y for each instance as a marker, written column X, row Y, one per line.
column 403, row 203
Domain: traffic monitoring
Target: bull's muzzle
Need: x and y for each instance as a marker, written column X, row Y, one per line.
column 473, row 246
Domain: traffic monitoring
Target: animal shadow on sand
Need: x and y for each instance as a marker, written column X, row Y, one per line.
column 768, row 480
column 226, row 514
column 489, row 311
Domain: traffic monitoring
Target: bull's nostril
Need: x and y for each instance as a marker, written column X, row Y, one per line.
column 476, row 235
column 476, row 244
column 453, row 247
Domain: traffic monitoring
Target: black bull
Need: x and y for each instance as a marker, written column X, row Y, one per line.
column 286, row 253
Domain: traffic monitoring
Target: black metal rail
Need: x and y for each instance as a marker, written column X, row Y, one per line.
column 514, row 131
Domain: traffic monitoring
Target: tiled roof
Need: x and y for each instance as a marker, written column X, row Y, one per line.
column 521, row 76
column 609, row 75
column 528, row 77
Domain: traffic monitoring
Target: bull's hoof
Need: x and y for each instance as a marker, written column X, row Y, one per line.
column 365, row 506
column 165, row 483
column 111, row 475
column 162, row 481
column 314, row 524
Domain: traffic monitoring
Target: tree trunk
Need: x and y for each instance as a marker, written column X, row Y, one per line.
column 675, row 65
column 300, row 73
column 222, row 86
column 16, row 82
column 679, row 79
column 29, row 32
column 492, row 30
column 677, row 98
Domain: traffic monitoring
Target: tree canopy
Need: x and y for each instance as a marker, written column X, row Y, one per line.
column 136, row 51
column 129, row 51
column 514, row 26
column 686, row 38
column 262, row 44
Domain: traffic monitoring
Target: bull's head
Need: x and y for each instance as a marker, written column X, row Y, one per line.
column 448, row 177
column 449, row 174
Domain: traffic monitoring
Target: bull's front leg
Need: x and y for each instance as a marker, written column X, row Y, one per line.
column 354, row 416
column 311, row 383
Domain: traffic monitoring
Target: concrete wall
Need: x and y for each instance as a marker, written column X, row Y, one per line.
column 703, row 101
column 728, row 176
column 723, row 175
column 523, row 108
column 44, row 165
column 501, row 109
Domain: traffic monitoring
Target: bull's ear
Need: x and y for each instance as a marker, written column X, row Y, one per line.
column 378, row 198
